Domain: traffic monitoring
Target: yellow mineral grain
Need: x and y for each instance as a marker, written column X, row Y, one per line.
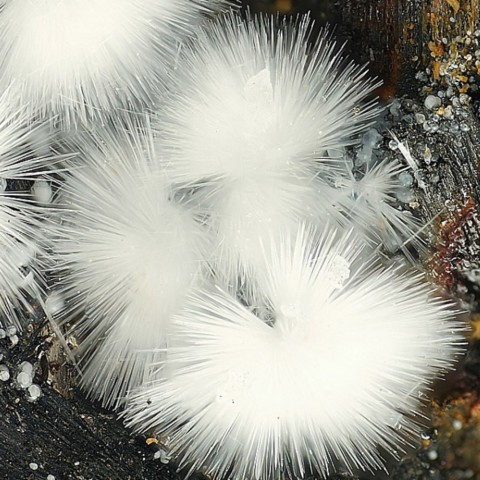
column 436, row 49
column 455, row 4
column 475, row 324
column 283, row 6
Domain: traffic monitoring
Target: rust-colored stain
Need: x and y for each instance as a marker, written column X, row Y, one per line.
column 447, row 258
column 436, row 70
column 388, row 89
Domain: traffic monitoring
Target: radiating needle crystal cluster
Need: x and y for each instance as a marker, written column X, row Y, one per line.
column 332, row 377
column 208, row 243
column 126, row 260
column 21, row 232
column 83, row 59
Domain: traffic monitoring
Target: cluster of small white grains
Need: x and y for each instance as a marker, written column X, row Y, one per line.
column 19, row 374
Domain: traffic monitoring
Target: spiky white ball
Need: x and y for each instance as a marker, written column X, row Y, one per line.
column 335, row 373
column 370, row 200
column 21, row 230
column 79, row 58
column 253, row 96
column 252, row 112
column 126, row 255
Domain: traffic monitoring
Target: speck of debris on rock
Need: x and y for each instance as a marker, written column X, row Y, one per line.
column 457, row 425
column 432, row 455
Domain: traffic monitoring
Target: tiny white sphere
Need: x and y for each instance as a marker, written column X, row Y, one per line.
column 42, row 191
column 34, row 392
column 24, row 380
column 27, row 367
column 457, row 425
column 4, row 373
column 432, row 455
